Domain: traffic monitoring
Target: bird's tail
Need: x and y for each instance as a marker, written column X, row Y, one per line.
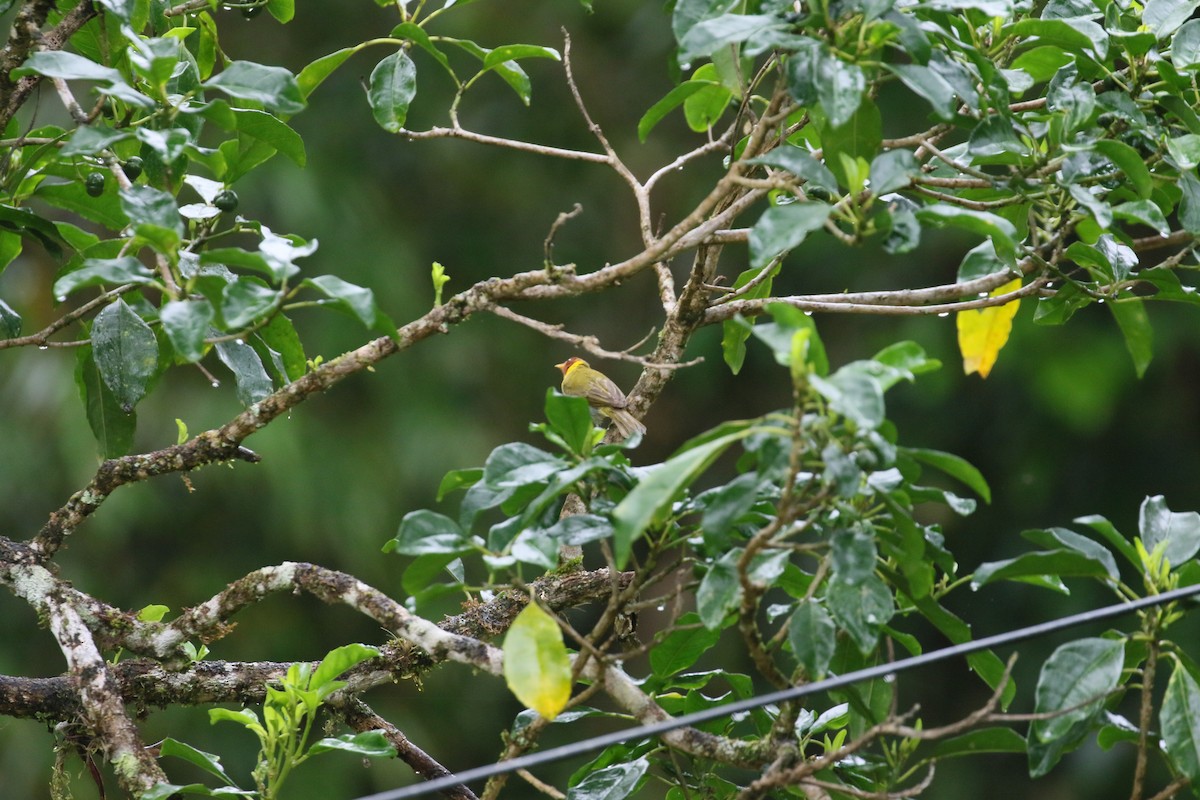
column 627, row 424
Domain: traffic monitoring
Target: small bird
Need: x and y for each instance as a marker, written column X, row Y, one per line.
column 580, row 380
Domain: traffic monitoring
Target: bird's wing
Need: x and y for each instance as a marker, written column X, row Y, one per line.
column 605, row 393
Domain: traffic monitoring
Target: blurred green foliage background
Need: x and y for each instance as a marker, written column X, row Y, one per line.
column 1062, row 428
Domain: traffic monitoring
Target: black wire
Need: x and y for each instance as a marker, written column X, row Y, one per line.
column 870, row 673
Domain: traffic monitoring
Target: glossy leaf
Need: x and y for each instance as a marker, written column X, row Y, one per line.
column 368, row 744
column 570, row 418
column 103, row 271
column 784, row 227
column 954, row 466
column 253, row 383
column 615, row 782
column 719, row 590
column 274, row 87
column 672, row 100
column 1134, row 323
column 657, row 491
column 173, row 748
column 536, row 666
column 1179, row 531
column 682, row 646
column 1073, row 684
column 1053, row 564
column 812, row 636
column 186, row 323
column 126, row 352
column 1179, row 717
column 393, row 86
column 424, row 532
column 339, row 660
column 111, row 425
column 861, row 609
column 315, row 73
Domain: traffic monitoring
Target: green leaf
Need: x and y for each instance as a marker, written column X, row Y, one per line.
column 1080, row 36
column 1165, row 16
column 1189, row 204
column 270, row 130
column 1002, row 232
column 1074, row 683
column 424, row 532
column 983, row 740
column 392, row 87
column 414, row 32
column 358, row 301
column 518, row 464
column 615, row 782
column 710, row 35
column 955, row 467
column 892, row 170
column 101, row 271
column 245, row 299
column 800, row 163
column 282, row 10
column 1185, row 45
column 339, row 660
column 859, row 138
column 719, row 591
column 1143, row 212
column 315, row 73
column 206, row 761
column 154, row 215
column 570, row 418
column 840, row 88
column 1051, row 538
column 784, row 227
column 368, row 744
column 861, row 608
column 1179, row 717
column 1111, row 535
column 653, row 496
column 724, row 505
column 682, row 646
column 781, row 334
column 853, row 553
column 1043, row 568
column 10, row 322
column 854, row 395
column 126, row 352
column 274, row 87
column 812, row 635
column 253, row 383
column 280, row 336
column 1130, row 314
column 68, row 66
column 703, row 109
column 930, row 85
column 186, row 323
column 1179, row 530
column 1130, row 162
column 673, row 99
column 536, row 666
column 513, row 52
column 110, row 424
column 457, row 479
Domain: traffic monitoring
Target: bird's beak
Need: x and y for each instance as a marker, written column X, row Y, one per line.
column 561, row 367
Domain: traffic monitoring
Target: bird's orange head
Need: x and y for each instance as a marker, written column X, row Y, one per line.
column 570, row 362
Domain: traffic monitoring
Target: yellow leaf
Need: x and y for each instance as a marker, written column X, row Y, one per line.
column 536, row 667
column 983, row 331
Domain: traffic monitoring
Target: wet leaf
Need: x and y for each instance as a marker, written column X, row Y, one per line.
column 536, row 666
column 982, row 332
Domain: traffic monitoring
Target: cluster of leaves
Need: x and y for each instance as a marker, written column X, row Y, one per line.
column 170, row 109
column 812, row 544
column 288, row 715
column 1082, row 684
column 1060, row 133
